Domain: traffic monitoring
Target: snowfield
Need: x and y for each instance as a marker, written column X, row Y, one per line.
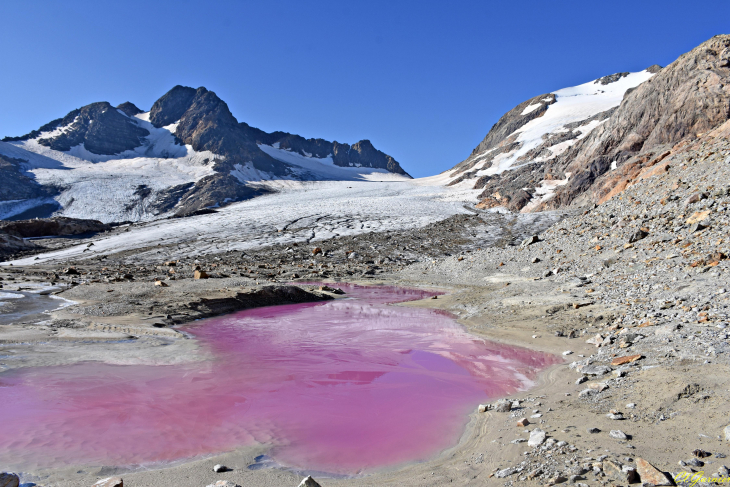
column 310, row 212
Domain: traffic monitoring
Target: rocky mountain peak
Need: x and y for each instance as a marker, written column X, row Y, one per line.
column 129, row 109
column 172, row 105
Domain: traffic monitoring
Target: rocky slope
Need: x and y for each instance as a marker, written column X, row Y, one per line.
column 584, row 144
column 187, row 153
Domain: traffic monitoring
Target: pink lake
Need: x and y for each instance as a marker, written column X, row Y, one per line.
column 341, row 386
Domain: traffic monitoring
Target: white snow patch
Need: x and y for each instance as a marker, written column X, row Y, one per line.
column 531, row 108
column 544, row 192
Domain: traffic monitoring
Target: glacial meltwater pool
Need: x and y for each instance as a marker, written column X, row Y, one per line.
column 340, row 386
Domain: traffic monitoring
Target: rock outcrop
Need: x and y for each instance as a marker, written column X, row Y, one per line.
column 101, row 128
column 47, row 227
column 687, row 98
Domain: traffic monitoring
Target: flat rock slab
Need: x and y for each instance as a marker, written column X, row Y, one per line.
column 649, row 474
column 625, row 360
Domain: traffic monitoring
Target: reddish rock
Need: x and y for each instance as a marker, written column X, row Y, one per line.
column 625, row 360
column 649, row 474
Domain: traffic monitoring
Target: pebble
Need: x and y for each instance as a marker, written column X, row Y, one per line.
column 618, row 434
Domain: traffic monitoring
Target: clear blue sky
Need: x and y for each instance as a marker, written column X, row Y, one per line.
column 423, row 80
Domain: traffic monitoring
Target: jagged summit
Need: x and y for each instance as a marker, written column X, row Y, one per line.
column 187, row 153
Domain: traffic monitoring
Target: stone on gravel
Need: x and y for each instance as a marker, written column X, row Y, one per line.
column 8, row 479
column 505, row 473
column 200, row 275
column 537, row 437
column 625, row 360
column 110, row 482
column 220, row 468
column 503, row 406
column 529, row 241
column 638, row 235
column 620, row 473
column 523, row 422
column 618, row 434
column 161, row 283
column 594, row 369
column 593, row 430
column 309, row 482
column 224, row 483
column 649, row 474
column 727, row 433
column 316, row 251
column 483, row 408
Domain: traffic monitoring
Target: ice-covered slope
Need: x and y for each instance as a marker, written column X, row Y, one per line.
column 536, row 132
column 130, row 186
column 187, row 153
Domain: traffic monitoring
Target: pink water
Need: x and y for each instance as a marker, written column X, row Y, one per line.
column 341, row 386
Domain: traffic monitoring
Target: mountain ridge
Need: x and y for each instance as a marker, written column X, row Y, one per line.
column 219, row 160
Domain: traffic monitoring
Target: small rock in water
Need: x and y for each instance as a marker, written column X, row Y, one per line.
column 109, row 482
column 8, row 479
column 309, row 482
column 220, row 468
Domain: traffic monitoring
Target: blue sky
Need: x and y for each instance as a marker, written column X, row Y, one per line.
column 424, row 81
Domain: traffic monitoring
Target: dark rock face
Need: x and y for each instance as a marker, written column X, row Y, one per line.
column 129, row 108
column 171, row 106
column 99, row 126
column 266, row 296
column 611, row 78
column 16, row 185
column 214, row 190
column 360, row 154
column 688, row 97
column 48, row 227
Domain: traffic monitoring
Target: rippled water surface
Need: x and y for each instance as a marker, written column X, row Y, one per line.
column 341, row 386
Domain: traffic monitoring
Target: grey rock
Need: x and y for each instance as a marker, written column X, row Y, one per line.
column 505, row 472
column 502, row 406
column 537, row 437
column 8, row 479
column 618, row 434
column 309, row 482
